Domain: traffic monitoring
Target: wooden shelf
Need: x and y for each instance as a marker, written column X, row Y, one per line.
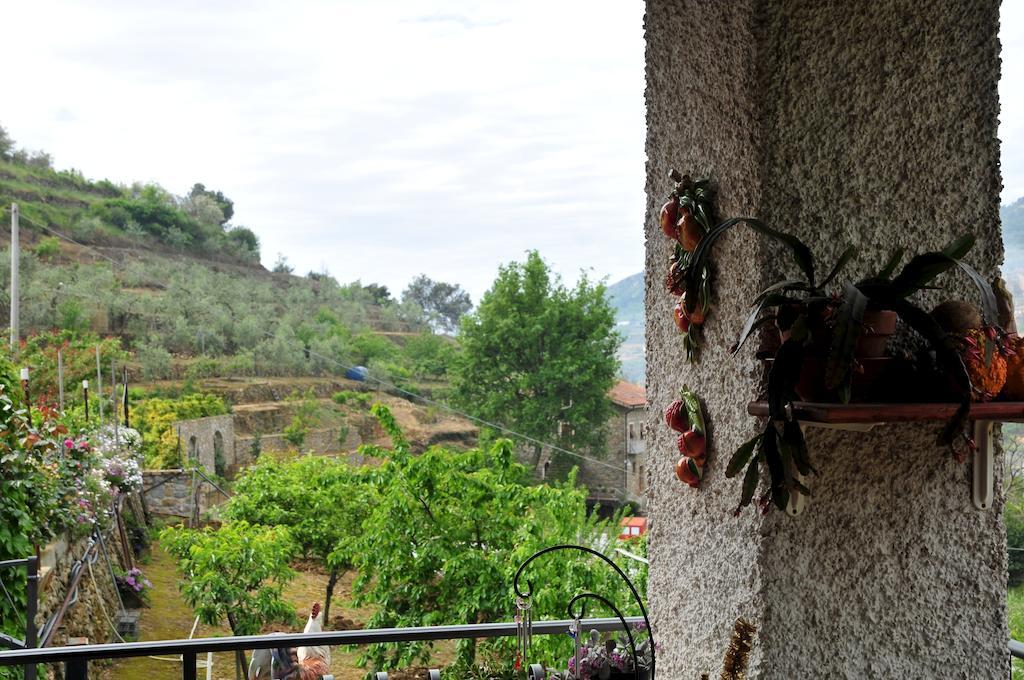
column 864, row 417
column 870, row 414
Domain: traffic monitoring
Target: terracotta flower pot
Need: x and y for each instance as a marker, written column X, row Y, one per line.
column 811, row 385
column 879, row 325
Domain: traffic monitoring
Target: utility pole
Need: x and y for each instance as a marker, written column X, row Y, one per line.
column 15, row 261
column 99, row 385
column 60, row 378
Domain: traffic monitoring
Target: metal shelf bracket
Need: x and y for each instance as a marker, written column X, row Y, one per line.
column 983, row 479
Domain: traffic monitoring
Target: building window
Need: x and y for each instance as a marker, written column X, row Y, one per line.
column 629, row 428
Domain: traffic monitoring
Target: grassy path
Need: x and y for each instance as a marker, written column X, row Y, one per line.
column 169, row 617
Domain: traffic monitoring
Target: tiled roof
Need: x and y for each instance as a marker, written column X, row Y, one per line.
column 628, row 395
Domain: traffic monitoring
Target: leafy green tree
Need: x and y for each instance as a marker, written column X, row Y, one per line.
column 430, row 355
column 246, row 241
column 6, row 145
column 446, row 531
column 443, row 304
column 321, row 500
column 235, row 573
column 536, row 353
column 225, row 204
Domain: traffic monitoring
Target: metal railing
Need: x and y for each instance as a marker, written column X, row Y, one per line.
column 75, row 658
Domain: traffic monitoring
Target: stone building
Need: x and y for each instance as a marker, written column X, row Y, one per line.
column 614, row 478
column 626, row 434
column 211, row 441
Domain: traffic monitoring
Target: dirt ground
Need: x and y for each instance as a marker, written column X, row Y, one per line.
column 168, row 617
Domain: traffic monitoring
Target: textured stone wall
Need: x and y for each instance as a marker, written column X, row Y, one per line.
column 203, row 432
column 865, row 123
column 168, row 493
column 97, row 592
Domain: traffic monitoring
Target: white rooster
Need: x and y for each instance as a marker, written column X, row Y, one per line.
column 305, row 663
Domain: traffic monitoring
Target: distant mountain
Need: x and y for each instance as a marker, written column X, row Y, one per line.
column 1012, row 217
column 627, row 296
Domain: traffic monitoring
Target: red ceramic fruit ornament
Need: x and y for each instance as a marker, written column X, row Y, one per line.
column 685, row 416
column 685, row 218
column 668, row 218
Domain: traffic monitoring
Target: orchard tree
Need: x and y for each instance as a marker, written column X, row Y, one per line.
column 539, row 357
column 443, row 304
column 234, row 573
column 321, row 500
column 445, row 532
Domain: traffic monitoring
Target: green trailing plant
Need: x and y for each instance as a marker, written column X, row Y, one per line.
column 827, row 315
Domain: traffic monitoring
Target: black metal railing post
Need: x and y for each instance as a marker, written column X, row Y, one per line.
column 188, row 666
column 31, row 604
column 76, row 669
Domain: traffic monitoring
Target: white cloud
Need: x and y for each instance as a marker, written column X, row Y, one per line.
column 378, row 139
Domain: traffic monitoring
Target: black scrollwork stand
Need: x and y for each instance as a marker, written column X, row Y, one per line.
column 578, row 599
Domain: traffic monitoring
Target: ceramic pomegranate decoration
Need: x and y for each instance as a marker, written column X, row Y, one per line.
column 689, row 472
column 675, row 416
column 669, row 219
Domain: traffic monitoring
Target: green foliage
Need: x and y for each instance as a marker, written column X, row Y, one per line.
column 47, row 247
column 430, row 356
column 236, row 573
column 225, row 205
column 281, row 265
column 48, row 489
column 363, row 399
column 535, row 353
column 442, row 304
column 446, row 531
column 367, row 346
column 156, row 362
column 78, row 349
column 6, row 145
column 1015, row 614
column 321, row 500
column 154, row 417
column 306, row 417
column 155, row 211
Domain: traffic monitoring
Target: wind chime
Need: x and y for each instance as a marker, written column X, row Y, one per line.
column 524, row 629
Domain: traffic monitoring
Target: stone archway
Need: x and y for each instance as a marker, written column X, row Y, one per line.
column 219, row 462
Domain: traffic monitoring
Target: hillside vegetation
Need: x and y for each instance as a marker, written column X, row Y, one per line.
column 181, row 287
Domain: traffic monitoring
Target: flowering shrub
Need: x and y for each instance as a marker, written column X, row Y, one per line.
column 601, row 659
column 155, row 416
column 134, row 580
column 123, row 474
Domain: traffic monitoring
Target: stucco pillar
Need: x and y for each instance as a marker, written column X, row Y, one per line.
column 871, row 123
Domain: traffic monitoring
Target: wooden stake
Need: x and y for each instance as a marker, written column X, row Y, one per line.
column 15, row 276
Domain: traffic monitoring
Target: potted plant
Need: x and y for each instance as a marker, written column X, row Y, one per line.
column 134, row 588
column 609, row 658
column 836, row 329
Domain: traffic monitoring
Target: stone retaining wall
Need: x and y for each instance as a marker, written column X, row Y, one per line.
column 169, row 493
column 96, row 612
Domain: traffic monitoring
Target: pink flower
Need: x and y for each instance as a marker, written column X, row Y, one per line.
column 68, row 444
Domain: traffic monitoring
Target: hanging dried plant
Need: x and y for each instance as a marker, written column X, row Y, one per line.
column 738, row 655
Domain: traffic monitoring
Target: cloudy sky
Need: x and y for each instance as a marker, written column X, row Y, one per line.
column 374, row 139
